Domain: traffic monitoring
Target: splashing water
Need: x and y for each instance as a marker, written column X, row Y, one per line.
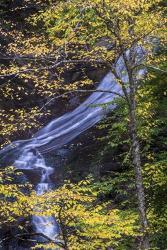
column 32, row 159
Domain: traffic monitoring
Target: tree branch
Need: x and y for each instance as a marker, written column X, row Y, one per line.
column 19, row 236
column 81, row 91
column 155, row 68
column 28, row 57
column 55, row 65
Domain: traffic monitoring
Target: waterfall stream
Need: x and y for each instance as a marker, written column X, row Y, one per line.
column 31, row 159
column 59, row 132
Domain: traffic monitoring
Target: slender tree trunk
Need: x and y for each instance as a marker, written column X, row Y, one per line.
column 144, row 243
column 63, row 230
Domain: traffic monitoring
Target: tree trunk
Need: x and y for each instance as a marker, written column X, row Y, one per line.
column 136, row 159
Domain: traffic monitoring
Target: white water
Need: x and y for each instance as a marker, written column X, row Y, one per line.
column 34, row 160
column 53, row 136
column 59, row 132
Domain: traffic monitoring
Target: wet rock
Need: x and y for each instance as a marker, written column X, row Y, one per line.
column 33, row 175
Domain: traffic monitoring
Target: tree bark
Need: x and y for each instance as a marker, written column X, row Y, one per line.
column 136, row 160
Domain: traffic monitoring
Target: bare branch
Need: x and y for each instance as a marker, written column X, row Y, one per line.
column 155, row 68
column 81, row 91
column 28, row 57
column 141, row 65
column 55, row 65
column 20, row 236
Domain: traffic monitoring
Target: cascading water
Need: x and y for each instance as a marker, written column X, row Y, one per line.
column 62, row 130
column 45, row 224
column 56, row 134
column 59, row 132
column 31, row 160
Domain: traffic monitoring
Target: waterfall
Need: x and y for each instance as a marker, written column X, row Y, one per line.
column 62, row 130
column 31, row 159
column 59, row 132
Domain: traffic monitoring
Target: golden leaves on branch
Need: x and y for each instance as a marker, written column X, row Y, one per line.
column 77, row 210
column 18, row 121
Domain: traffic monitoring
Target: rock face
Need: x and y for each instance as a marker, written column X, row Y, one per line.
column 84, row 157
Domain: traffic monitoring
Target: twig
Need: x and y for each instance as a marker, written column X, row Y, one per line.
column 55, row 65
column 19, row 236
column 81, row 91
